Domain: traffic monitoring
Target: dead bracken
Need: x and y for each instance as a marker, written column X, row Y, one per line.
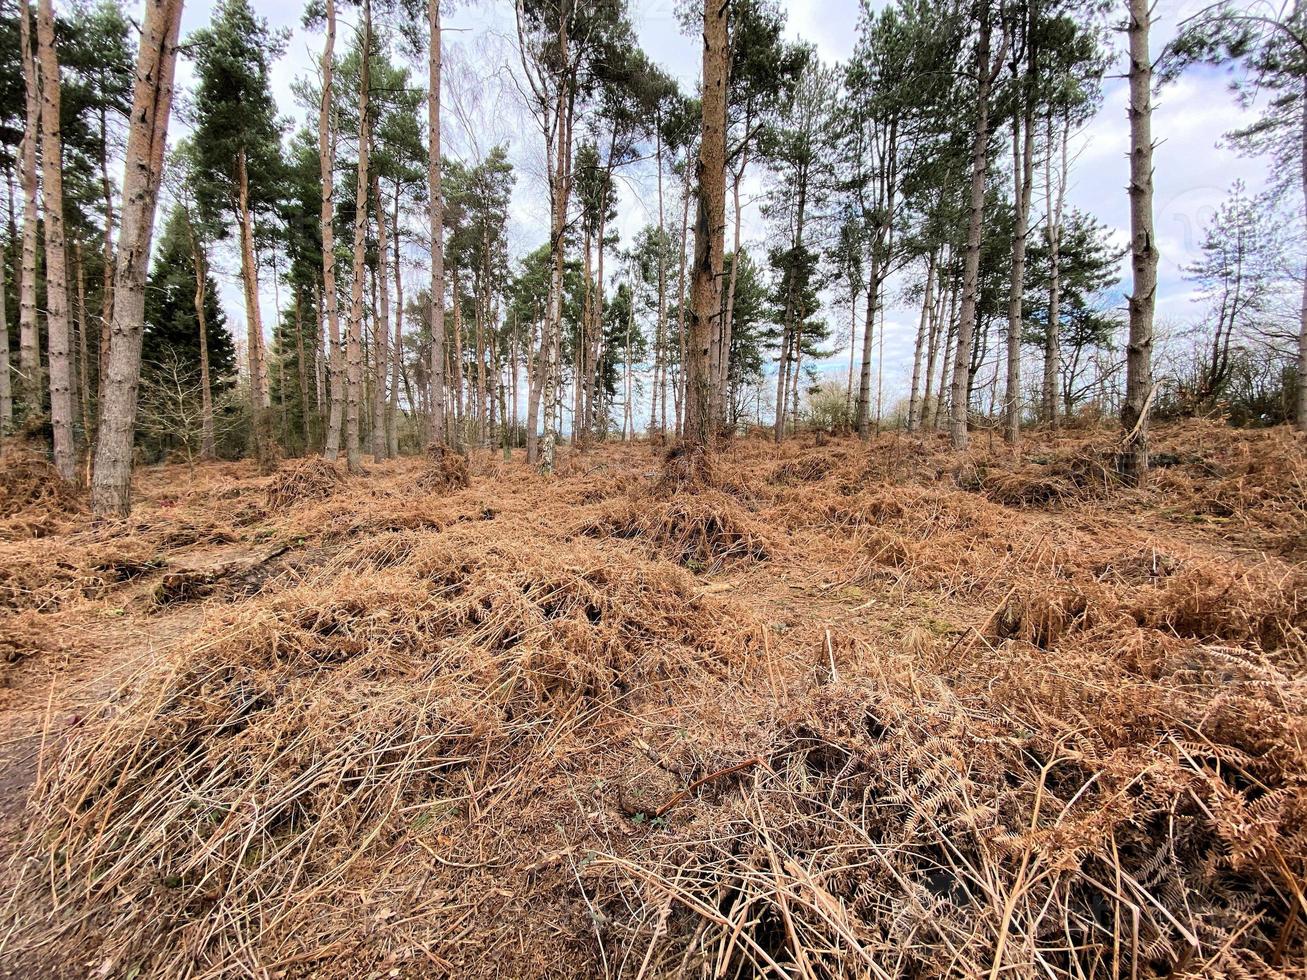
column 835, row 724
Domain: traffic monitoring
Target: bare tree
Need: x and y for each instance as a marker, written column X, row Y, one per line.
column 111, row 482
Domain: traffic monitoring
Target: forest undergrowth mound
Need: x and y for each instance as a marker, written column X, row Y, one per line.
column 837, row 714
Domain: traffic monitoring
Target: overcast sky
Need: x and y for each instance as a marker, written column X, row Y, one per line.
column 1194, row 169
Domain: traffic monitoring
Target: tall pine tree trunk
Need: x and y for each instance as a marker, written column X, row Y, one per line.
column 381, row 331
column 147, row 137
column 1300, row 413
column 354, row 366
column 260, row 388
column 1143, row 252
column 83, row 352
column 709, row 232
column 961, row 383
column 6, row 391
column 327, row 165
column 29, row 333
column 439, row 428
column 1053, row 205
column 397, row 348
column 208, row 449
column 56, row 258
column 1023, row 158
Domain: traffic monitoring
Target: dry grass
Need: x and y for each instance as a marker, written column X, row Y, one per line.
column 807, row 711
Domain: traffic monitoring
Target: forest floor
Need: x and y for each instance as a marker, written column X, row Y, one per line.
column 836, row 709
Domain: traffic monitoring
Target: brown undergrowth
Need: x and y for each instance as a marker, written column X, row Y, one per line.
column 805, row 711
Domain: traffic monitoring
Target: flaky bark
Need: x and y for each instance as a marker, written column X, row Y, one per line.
column 327, row 165
column 56, row 259
column 709, row 231
column 354, row 359
column 1143, row 252
column 146, row 139
column 30, row 381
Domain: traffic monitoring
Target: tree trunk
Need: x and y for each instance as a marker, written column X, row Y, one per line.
column 354, row 367
column 1143, row 252
column 1023, row 158
column 560, row 182
column 728, row 324
column 260, row 391
column 397, row 348
column 56, row 258
column 381, row 331
column 147, row 135
column 709, row 231
column 660, row 337
column 1300, row 412
column 207, row 448
column 961, row 385
column 29, row 332
column 83, row 352
column 439, row 430
column 927, row 303
column 6, row 391
column 678, row 394
column 106, row 285
column 302, row 368
column 327, row 165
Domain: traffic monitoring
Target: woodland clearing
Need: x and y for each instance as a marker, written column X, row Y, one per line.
column 847, row 709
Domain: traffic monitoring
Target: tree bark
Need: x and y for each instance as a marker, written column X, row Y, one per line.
column 6, row 390
column 354, row 375
column 1143, row 252
column 709, row 230
column 146, row 140
column 56, row 258
column 961, row 384
column 30, row 381
column 327, row 166
column 83, row 355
